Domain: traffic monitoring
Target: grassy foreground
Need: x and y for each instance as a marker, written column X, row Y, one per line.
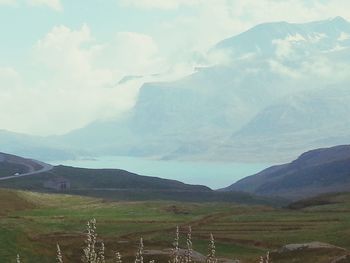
column 31, row 224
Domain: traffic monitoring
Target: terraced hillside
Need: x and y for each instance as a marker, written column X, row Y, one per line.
column 32, row 223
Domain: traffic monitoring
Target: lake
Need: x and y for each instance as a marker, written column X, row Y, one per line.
column 213, row 174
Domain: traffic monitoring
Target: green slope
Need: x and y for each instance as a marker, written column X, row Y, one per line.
column 122, row 185
column 36, row 222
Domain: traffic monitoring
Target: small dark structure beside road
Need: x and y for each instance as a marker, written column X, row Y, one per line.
column 58, row 184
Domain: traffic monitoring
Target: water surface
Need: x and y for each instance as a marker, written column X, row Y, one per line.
column 213, row 174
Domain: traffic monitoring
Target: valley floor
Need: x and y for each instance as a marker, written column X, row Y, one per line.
column 31, row 224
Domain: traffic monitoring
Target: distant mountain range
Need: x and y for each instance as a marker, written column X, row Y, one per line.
column 275, row 90
column 36, row 147
column 315, row 172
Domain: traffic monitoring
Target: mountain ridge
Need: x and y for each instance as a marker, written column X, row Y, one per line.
column 191, row 117
column 231, row 111
column 121, row 185
column 257, row 39
column 315, row 172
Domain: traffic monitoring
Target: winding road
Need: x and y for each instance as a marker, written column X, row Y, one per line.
column 45, row 168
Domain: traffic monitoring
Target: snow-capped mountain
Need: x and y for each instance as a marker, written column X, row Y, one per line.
column 277, row 39
column 279, row 79
column 276, row 80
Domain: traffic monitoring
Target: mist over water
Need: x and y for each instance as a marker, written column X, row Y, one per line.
column 213, row 174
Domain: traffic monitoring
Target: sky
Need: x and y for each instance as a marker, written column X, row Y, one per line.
column 62, row 62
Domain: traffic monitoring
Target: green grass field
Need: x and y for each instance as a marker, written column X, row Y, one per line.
column 31, row 224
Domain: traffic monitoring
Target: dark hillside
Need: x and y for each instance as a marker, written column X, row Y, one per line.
column 315, row 172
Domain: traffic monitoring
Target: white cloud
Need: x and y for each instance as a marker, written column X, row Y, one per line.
column 135, row 53
column 325, row 69
column 63, row 41
column 159, row 4
column 69, row 54
column 76, row 80
column 8, row 2
column 285, row 47
column 53, row 4
column 9, row 79
column 75, row 75
column 295, row 38
column 280, row 68
column 317, row 37
column 344, row 36
column 212, row 21
column 321, row 69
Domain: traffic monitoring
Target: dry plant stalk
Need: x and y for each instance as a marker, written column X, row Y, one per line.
column 89, row 252
column 175, row 252
column 59, row 258
column 91, row 255
column 211, row 251
column 189, row 250
column 101, row 254
column 139, row 253
column 117, row 257
column 265, row 259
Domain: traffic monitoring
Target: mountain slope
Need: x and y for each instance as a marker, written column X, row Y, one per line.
column 336, row 200
column 36, row 147
column 190, row 118
column 11, row 164
column 276, row 81
column 113, row 184
column 189, row 115
column 295, row 124
column 310, row 37
column 84, row 178
column 319, row 171
column 263, row 67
